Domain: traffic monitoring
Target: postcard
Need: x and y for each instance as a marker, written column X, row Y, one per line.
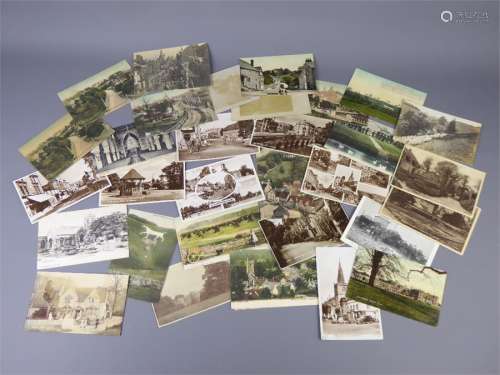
column 294, row 239
column 104, row 92
column 367, row 228
column 41, row 197
column 439, row 180
column 378, row 97
column 272, row 106
column 325, row 101
column 188, row 292
column 218, row 186
column 152, row 240
column 204, row 239
column 277, row 75
column 62, row 144
column 257, row 282
column 225, row 90
column 173, row 109
column 444, row 134
column 330, row 86
column 129, row 145
column 397, row 285
column 450, row 228
column 217, row 139
column 83, row 236
column 171, row 68
column 82, row 303
column 341, row 318
column 294, row 134
column 334, row 175
column 160, row 179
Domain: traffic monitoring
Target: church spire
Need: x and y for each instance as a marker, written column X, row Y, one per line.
column 340, row 276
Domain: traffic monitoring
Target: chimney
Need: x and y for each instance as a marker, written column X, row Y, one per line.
column 251, row 62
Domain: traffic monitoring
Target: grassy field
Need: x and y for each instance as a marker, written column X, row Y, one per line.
column 394, row 303
column 367, row 110
column 144, row 293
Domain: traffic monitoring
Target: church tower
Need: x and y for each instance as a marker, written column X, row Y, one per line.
column 340, row 286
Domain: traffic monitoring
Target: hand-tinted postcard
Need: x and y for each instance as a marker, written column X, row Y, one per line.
column 341, row 318
column 83, row 236
column 444, row 134
column 104, row 92
column 217, row 139
column 152, row 240
column 172, row 68
column 272, row 106
column 378, row 97
column 218, row 186
column 367, row 228
column 82, row 303
column 188, row 292
column 257, row 282
column 397, row 285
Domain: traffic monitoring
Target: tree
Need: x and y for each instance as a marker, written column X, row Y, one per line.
column 378, row 264
column 427, row 164
column 447, row 171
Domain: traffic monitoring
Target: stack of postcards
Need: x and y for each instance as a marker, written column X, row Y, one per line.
column 262, row 223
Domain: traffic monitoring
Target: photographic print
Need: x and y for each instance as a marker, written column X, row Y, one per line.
column 218, row 186
column 439, row 180
column 444, row 134
column 188, row 292
column 450, row 228
column 171, row 68
column 397, row 285
column 83, row 236
column 325, row 100
column 203, row 239
column 62, row 144
column 367, row 228
column 129, row 145
column 82, row 303
column 294, row 239
column 41, row 197
column 272, row 106
column 294, row 134
column 342, row 318
column 333, row 175
column 330, row 86
column 160, row 179
column 104, row 92
column 152, row 240
column 173, row 109
column 277, row 75
column 257, row 281
column 378, row 97
column 217, row 139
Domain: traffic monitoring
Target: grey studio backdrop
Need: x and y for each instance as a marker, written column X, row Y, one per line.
column 46, row 46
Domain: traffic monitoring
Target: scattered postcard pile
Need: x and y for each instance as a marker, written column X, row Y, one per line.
column 261, row 223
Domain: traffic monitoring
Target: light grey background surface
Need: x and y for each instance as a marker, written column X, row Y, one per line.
column 49, row 46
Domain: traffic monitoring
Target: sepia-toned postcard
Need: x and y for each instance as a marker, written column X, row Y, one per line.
column 217, row 139
column 367, row 228
column 277, row 75
column 83, row 236
column 152, row 240
column 218, row 186
column 104, row 92
column 204, row 239
column 293, row 239
column 63, row 144
column 225, row 90
column 257, row 282
column 397, row 285
column 41, row 197
column 173, row 109
column 341, row 318
column 450, row 228
column 293, row 134
column 325, row 100
column 272, row 106
column 160, row 179
column 82, row 303
column 378, row 97
column 334, row 175
column 188, row 292
column 444, row 134
column 171, row 68
column 439, row 180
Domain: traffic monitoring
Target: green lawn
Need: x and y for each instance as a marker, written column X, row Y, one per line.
column 354, row 139
column 367, row 110
column 393, row 151
column 396, row 304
